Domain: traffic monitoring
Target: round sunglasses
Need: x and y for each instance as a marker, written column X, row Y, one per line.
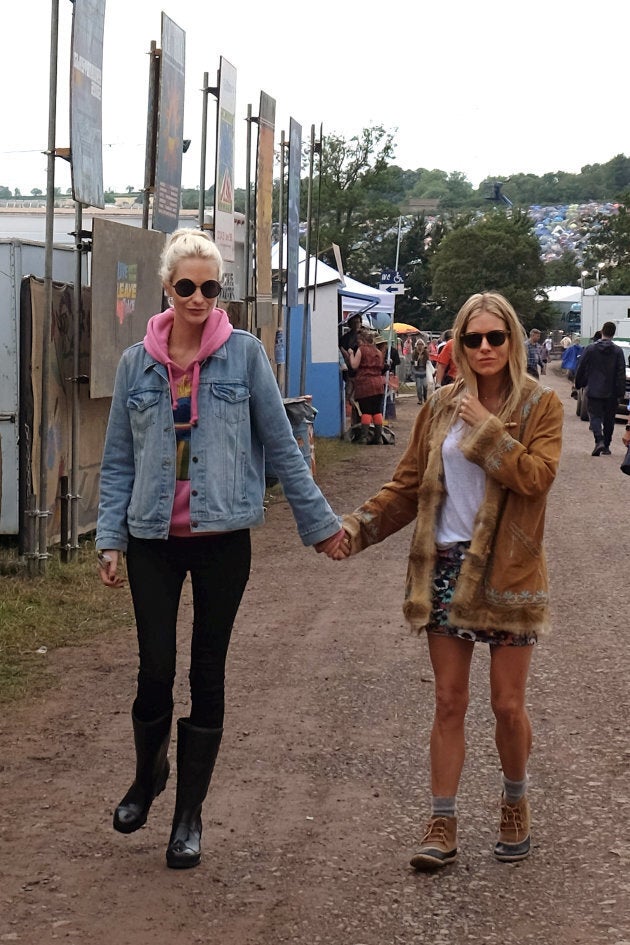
column 494, row 338
column 210, row 289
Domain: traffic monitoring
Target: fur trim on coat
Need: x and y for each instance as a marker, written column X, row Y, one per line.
column 503, row 583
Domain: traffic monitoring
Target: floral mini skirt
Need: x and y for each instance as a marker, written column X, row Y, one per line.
column 447, row 568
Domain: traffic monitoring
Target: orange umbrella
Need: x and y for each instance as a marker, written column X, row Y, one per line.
column 402, row 329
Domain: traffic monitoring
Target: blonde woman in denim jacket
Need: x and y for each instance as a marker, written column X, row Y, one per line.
column 475, row 477
column 195, row 411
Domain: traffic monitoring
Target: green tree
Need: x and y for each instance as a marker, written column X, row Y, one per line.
column 356, row 207
column 36, row 192
column 562, row 271
column 454, row 190
column 611, row 248
column 5, row 193
column 497, row 252
column 419, row 241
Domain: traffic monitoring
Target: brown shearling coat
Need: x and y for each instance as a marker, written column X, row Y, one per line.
column 503, row 582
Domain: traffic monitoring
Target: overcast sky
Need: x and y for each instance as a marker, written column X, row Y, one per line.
column 485, row 88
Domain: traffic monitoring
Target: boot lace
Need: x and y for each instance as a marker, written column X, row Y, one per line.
column 512, row 820
column 436, row 831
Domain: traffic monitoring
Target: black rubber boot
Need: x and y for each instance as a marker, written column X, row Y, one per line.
column 197, row 750
column 152, row 769
column 377, row 439
column 363, row 436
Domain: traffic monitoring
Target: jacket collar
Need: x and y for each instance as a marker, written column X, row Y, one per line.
column 152, row 363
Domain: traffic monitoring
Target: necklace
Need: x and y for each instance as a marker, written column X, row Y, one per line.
column 492, row 402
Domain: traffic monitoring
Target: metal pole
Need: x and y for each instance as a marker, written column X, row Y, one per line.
column 248, row 213
column 64, row 500
column 597, row 299
column 152, row 117
column 398, row 243
column 204, row 138
column 305, row 312
column 48, row 273
column 280, row 368
column 319, row 146
column 287, row 329
column 76, row 367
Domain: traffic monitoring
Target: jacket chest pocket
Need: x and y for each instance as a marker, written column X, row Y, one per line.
column 230, row 401
column 143, row 409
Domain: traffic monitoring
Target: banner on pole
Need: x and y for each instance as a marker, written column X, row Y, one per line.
column 170, row 133
column 264, row 201
column 293, row 211
column 224, row 164
column 86, row 112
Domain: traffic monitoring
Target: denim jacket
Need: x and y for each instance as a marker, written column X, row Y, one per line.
column 241, row 417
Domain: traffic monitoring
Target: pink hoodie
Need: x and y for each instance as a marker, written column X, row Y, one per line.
column 216, row 331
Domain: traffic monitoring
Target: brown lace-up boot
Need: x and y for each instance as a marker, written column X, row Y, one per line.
column 439, row 844
column 514, row 839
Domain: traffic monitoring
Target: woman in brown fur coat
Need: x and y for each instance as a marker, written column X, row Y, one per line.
column 475, row 477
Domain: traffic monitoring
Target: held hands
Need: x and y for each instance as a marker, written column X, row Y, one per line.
column 337, row 547
column 108, row 567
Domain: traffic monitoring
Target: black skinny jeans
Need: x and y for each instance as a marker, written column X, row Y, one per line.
column 219, row 571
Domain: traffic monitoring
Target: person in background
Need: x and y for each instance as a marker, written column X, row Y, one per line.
column 419, row 362
column 446, row 368
column 391, row 357
column 391, row 364
column 369, row 385
column 570, row 358
column 349, row 341
column 475, row 477
column 535, row 365
column 602, row 370
column 544, row 357
column 195, row 411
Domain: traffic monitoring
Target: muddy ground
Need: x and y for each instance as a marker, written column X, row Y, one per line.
column 321, row 788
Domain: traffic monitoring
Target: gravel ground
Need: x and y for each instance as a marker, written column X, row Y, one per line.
column 320, row 792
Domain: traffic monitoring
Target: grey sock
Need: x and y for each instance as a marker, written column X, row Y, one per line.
column 513, row 791
column 443, row 806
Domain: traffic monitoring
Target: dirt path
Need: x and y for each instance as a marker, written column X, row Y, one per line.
column 321, row 787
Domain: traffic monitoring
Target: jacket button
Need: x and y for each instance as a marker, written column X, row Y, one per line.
column 194, row 492
column 194, row 524
column 195, row 459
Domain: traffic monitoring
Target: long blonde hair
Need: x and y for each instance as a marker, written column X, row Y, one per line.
column 492, row 303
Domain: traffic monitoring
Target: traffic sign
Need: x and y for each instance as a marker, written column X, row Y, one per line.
column 392, row 281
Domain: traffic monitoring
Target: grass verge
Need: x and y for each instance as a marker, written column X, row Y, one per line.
column 66, row 607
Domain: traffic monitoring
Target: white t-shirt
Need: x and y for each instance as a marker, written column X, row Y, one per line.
column 465, row 488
